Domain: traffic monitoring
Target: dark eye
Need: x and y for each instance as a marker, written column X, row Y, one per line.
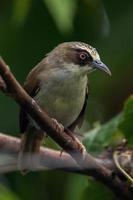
column 83, row 56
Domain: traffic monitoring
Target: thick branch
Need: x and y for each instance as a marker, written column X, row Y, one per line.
column 48, row 159
column 85, row 161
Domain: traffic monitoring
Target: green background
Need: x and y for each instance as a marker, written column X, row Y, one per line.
column 31, row 28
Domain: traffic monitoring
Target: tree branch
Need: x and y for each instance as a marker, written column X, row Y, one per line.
column 85, row 161
column 48, row 158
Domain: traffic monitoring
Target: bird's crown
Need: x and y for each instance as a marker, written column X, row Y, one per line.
column 80, row 46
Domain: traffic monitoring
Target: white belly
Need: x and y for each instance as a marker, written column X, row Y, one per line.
column 63, row 98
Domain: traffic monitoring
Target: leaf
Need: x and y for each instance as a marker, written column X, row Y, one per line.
column 63, row 12
column 104, row 135
column 113, row 131
column 126, row 125
column 20, row 10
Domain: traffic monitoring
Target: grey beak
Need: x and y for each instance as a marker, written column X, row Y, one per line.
column 97, row 64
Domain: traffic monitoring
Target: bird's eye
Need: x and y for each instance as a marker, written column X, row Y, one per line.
column 83, row 56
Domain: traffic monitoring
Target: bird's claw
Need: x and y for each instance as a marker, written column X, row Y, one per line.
column 57, row 126
column 81, row 147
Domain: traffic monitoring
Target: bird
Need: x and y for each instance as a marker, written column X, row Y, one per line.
column 59, row 84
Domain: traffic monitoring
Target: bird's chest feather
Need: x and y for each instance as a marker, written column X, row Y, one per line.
column 63, row 97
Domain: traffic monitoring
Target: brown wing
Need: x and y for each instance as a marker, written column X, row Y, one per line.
column 78, row 122
column 32, row 87
column 23, row 117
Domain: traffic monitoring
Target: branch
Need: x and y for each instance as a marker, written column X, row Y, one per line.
column 85, row 161
column 48, row 159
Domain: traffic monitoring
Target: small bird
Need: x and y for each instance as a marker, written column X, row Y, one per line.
column 59, row 84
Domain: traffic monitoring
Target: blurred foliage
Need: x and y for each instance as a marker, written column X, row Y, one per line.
column 7, row 194
column 80, row 187
column 112, row 133
column 63, row 12
column 28, row 30
column 20, row 11
column 126, row 125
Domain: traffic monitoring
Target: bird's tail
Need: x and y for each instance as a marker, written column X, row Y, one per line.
column 29, row 149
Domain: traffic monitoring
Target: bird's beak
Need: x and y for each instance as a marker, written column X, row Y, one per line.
column 97, row 64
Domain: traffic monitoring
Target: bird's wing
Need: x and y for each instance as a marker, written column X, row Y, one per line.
column 23, row 117
column 32, row 87
column 78, row 122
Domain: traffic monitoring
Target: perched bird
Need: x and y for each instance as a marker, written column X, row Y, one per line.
column 59, row 84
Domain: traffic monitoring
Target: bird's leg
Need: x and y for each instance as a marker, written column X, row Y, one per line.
column 61, row 151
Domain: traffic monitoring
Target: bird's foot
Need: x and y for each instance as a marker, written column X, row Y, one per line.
column 58, row 126
column 81, row 147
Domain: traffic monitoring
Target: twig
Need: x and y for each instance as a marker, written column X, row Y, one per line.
column 86, row 161
column 121, row 169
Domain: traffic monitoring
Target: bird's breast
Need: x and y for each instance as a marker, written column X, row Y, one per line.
column 63, row 97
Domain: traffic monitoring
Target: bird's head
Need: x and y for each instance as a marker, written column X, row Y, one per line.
column 77, row 56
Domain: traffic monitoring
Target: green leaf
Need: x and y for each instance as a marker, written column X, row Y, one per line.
column 20, row 11
column 104, row 135
column 6, row 194
column 113, row 131
column 63, row 12
column 126, row 125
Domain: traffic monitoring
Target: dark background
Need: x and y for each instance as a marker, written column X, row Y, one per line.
column 31, row 28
